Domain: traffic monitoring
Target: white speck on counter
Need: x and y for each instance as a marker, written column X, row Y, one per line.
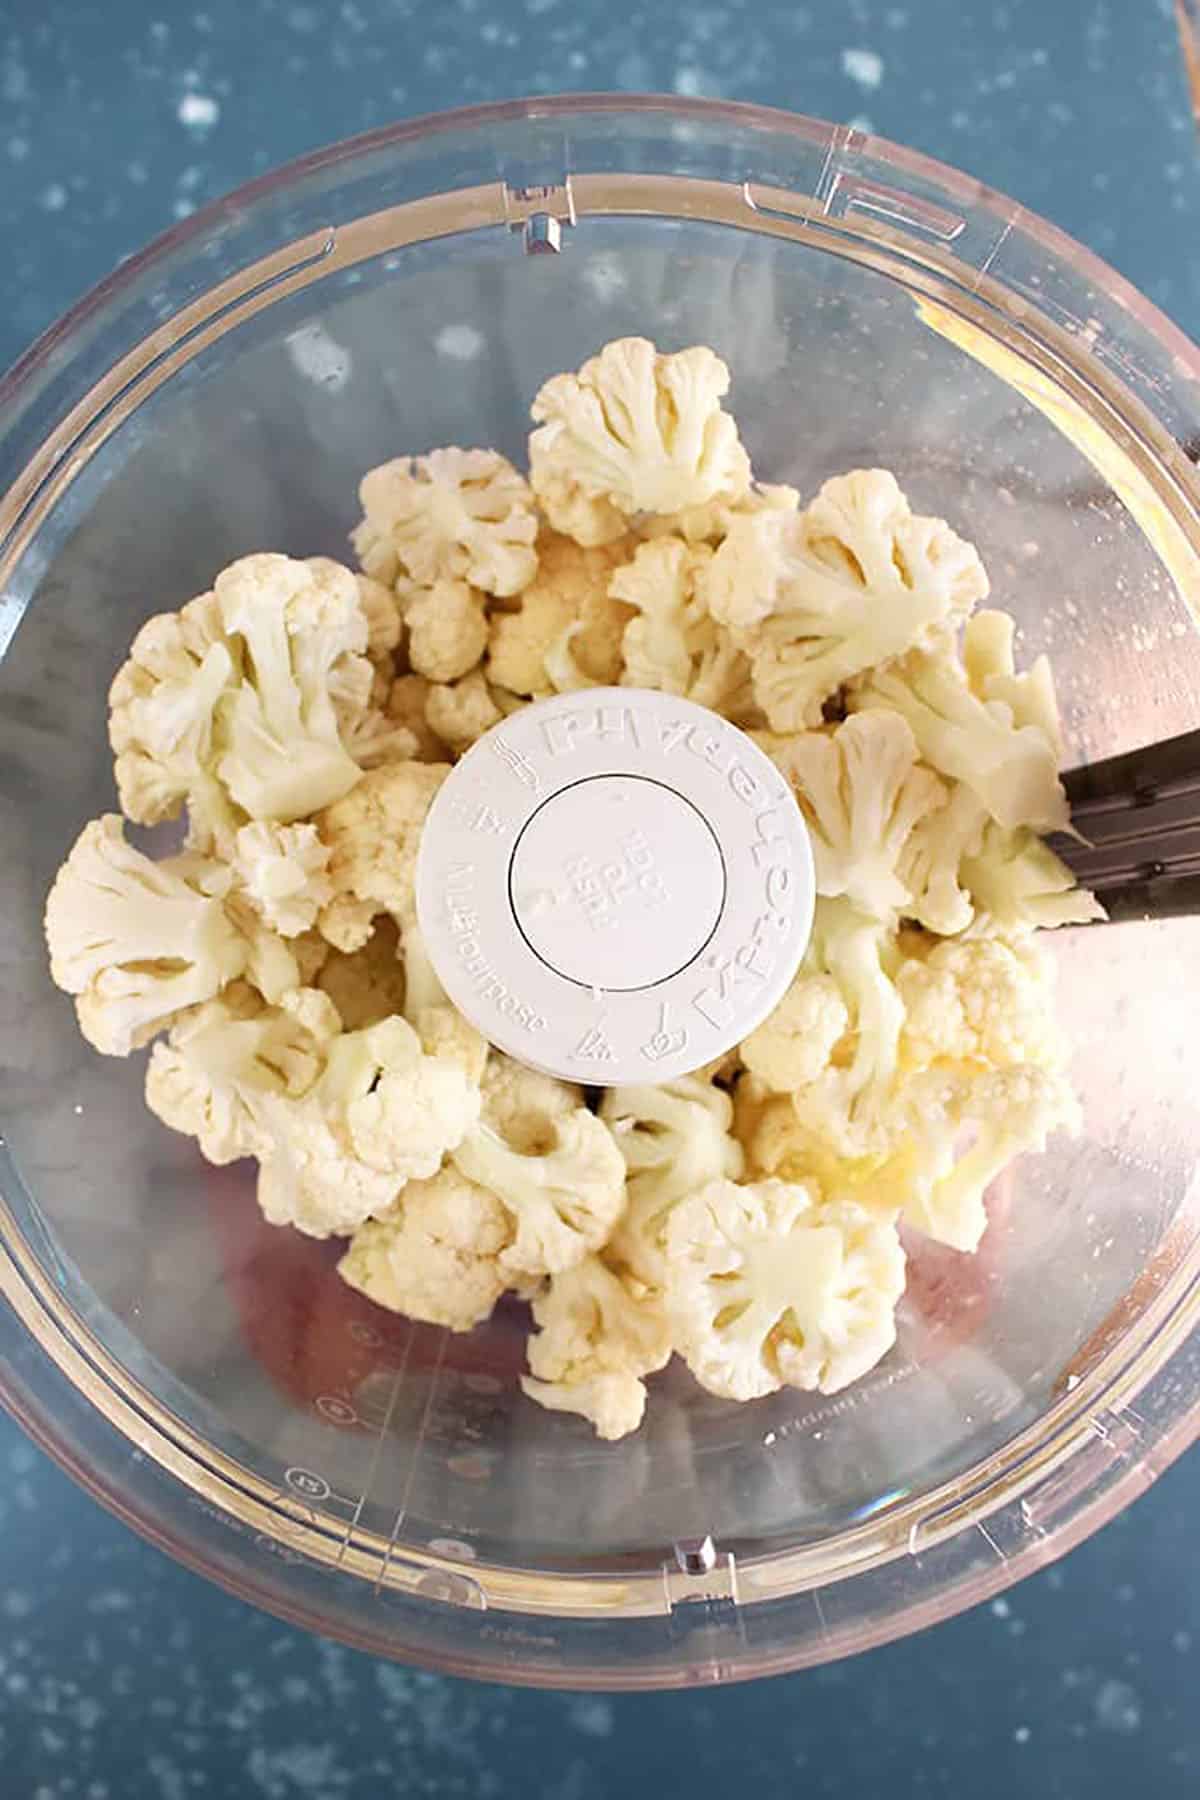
column 199, row 112
column 182, row 208
column 1181, row 1641
column 1022, row 1734
column 860, row 122
column 691, row 81
column 1118, row 1708
column 461, row 342
column 18, row 148
column 320, row 358
column 591, row 1714
column 1000, row 1609
column 863, row 66
column 54, row 198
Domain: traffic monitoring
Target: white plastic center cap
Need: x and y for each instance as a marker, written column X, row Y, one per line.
column 615, row 886
column 617, row 882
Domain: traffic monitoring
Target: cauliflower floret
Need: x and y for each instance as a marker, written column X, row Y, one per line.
column 383, row 1113
column 592, row 1326
column 137, row 941
column 208, row 1079
column 1004, row 1112
column 991, row 671
column 462, row 711
column 769, row 1285
column 861, row 791
column 710, row 524
column 282, row 753
column 567, row 633
column 931, row 861
column 794, row 1044
column 460, row 515
column 384, row 623
column 565, row 1200
column 368, row 984
column 406, row 703
column 674, row 1139
column 854, row 581
column 1018, row 884
column 160, row 726
column 434, row 1257
column 1012, row 770
column 282, row 870
column 978, row 1000
column 673, row 644
column 447, row 630
column 637, row 430
column 523, row 1106
column 373, row 835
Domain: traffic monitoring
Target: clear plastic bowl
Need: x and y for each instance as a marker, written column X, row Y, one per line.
column 208, row 1377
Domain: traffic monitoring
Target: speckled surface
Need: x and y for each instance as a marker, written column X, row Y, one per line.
column 121, row 1676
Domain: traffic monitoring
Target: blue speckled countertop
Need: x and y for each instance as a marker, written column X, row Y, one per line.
column 121, row 1676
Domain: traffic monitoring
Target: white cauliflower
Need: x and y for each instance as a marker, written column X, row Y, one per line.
column 932, row 860
column 592, row 1326
column 673, row 644
column 137, row 941
column 161, row 707
column 769, row 1285
column 567, row 632
column 282, row 756
column 675, row 1139
column 1018, row 884
column 637, row 432
column 461, row 711
column 434, row 1256
column 282, row 870
column 447, row 630
column 711, row 523
column 853, row 582
column 523, row 1106
column 406, row 702
column 1001, row 1113
column 207, row 1080
column 458, row 515
column 794, row 1044
column 987, row 652
column 383, row 1113
column 373, row 835
column 861, row 791
column 565, row 1200
column 1011, row 769
column 979, row 1001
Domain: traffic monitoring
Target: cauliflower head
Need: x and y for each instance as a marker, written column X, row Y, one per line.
column 434, row 1256
column 299, row 631
column 282, row 871
column 979, row 1001
column 673, row 644
column 769, row 1285
column 162, row 704
column 795, row 1044
column 567, row 633
column 135, row 941
column 851, row 583
column 457, row 515
column 636, row 431
column 373, row 835
column 1011, row 769
column 209, row 1078
column 447, row 630
column 459, row 712
column 594, row 1342
column 382, row 1114
column 406, row 703
column 862, row 792
column 565, row 1200
column 675, row 1138
column 1018, row 884
column 523, row 1106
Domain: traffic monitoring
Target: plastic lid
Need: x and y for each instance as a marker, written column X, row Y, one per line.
column 615, row 886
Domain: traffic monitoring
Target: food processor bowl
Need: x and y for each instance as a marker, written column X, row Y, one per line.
column 209, row 1377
